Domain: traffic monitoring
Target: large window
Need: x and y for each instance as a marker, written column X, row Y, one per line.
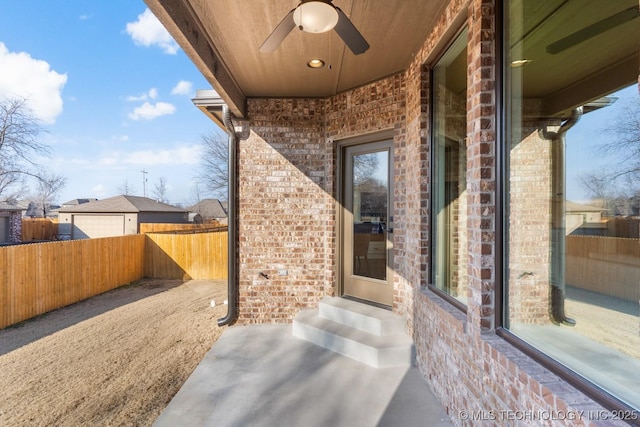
column 449, row 248
column 573, row 178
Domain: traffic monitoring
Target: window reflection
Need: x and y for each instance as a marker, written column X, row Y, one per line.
column 449, row 266
column 370, row 210
column 573, row 166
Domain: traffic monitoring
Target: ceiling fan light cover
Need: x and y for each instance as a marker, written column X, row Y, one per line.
column 315, row 17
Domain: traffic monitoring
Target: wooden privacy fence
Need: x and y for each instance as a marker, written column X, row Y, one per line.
column 41, row 277
column 608, row 265
column 623, row 227
column 186, row 256
column 150, row 227
column 39, row 229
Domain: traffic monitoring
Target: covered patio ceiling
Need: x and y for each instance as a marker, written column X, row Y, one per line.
column 223, row 39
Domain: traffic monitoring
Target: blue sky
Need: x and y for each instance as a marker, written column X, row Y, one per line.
column 113, row 91
column 583, row 139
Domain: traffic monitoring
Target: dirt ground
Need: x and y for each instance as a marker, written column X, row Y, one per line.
column 611, row 321
column 116, row 359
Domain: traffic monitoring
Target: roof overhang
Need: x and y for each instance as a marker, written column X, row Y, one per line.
column 210, row 103
column 223, row 39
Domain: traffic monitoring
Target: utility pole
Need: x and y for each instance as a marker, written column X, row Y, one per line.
column 144, row 182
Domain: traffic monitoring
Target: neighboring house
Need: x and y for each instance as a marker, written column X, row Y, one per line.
column 584, row 220
column 209, row 210
column 455, row 118
column 76, row 202
column 115, row 216
column 10, row 222
column 36, row 210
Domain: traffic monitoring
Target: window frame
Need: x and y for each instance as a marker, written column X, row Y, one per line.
column 574, row 379
column 432, row 159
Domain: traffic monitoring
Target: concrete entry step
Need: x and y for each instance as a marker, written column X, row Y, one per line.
column 373, row 320
column 367, row 334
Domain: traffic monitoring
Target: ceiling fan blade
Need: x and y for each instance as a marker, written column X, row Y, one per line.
column 279, row 34
column 593, row 30
column 350, row 34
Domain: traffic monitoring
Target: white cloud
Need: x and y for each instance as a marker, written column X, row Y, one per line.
column 152, row 94
column 148, row 31
column 182, row 88
column 134, row 98
column 180, row 155
column 149, row 111
column 25, row 77
column 184, row 155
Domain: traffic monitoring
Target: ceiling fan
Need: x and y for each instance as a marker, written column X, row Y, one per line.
column 317, row 16
column 594, row 30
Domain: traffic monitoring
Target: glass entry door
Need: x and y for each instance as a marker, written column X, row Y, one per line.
column 366, row 222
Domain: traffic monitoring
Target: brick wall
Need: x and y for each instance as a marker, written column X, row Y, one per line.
column 287, row 188
column 530, row 236
column 286, row 212
column 15, row 227
column 468, row 365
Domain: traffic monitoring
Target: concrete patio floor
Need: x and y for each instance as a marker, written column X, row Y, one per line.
column 263, row 376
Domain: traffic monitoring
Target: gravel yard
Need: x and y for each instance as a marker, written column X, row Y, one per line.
column 116, row 359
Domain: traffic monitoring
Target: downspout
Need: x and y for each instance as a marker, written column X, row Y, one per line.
column 558, row 227
column 232, row 284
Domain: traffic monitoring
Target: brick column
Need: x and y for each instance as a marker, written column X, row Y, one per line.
column 481, row 165
column 15, row 227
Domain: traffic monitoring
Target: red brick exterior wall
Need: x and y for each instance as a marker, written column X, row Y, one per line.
column 287, row 221
column 529, row 238
column 286, row 210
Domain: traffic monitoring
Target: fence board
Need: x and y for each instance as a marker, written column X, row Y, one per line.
column 39, row 229
column 607, row 265
column 41, row 277
column 186, row 256
column 149, row 227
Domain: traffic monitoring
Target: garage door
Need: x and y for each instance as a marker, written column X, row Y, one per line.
column 91, row 226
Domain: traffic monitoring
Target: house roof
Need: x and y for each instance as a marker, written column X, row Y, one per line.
column 76, row 202
column 223, row 40
column 122, row 204
column 7, row 206
column 209, row 208
column 577, row 207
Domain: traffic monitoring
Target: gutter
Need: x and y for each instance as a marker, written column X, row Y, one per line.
column 232, row 283
column 210, row 103
column 558, row 207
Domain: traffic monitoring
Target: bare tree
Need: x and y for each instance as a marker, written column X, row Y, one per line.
column 616, row 185
column 623, row 141
column 126, row 188
column 597, row 186
column 196, row 195
column 215, row 165
column 160, row 190
column 19, row 144
column 364, row 166
column 48, row 187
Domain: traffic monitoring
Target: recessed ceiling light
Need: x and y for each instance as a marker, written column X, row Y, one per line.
column 315, row 63
column 519, row 63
